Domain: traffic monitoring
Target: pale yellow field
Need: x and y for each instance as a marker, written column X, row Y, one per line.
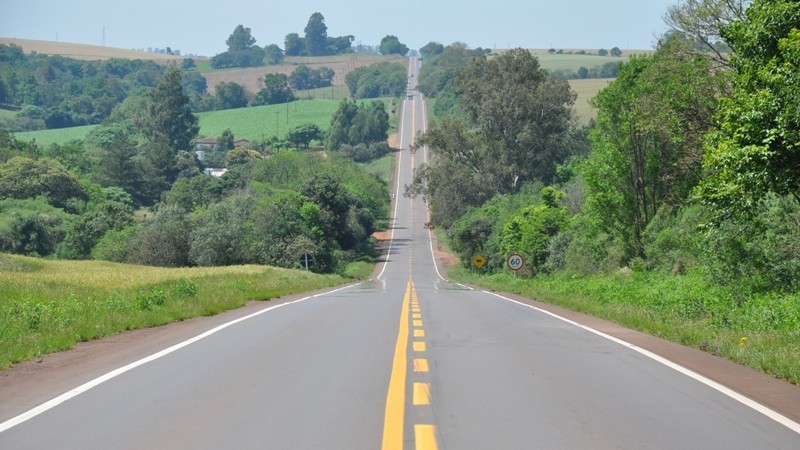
column 84, row 51
column 586, row 89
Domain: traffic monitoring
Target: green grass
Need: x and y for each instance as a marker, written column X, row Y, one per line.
column 48, row 306
column 7, row 114
column 336, row 93
column 383, row 168
column 59, row 136
column 258, row 122
column 763, row 333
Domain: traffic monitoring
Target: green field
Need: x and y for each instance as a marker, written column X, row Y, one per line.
column 59, row 136
column 259, row 122
column 48, row 306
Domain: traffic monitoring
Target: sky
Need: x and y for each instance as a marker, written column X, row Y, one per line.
column 202, row 27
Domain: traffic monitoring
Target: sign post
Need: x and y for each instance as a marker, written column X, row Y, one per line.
column 478, row 261
column 307, row 260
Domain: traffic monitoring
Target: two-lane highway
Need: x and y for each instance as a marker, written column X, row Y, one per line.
column 406, row 360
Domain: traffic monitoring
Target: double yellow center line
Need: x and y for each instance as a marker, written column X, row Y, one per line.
column 394, row 418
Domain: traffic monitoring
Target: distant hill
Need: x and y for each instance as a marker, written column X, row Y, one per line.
column 84, row 51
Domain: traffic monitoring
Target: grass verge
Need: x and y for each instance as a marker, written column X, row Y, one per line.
column 47, row 306
column 762, row 333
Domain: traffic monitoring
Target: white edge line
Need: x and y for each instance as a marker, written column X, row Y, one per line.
column 72, row 393
column 772, row 414
column 397, row 188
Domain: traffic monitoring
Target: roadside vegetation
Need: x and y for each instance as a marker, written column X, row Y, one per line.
column 675, row 211
column 48, row 306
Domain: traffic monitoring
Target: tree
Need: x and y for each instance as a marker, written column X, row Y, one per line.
column 431, row 49
column 304, row 134
column 602, row 52
column 170, row 119
column 616, row 52
column 24, row 178
column 647, row 143
column 754, row 149
column 294, row 45
column 163, row 240
column 316, row 35
column 702, row 22
column 390, row 45
column 273, row 54
column 89, row 228
column 188, row 64
column 240, row 39
column 276, row 90
column 230, row 95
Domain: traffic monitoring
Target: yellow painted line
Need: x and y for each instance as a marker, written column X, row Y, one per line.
column 394, row 414
column 415, row 308
column 416, row 316
column 422, row 394
column 420, row 365
column 417, row 323
column 419, row 333
column 419, row 346
column 425, row 437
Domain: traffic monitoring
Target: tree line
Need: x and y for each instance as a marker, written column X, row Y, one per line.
column 78, row 200
column 690, row 165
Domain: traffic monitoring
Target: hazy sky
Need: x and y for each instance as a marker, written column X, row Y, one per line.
column 201, row 27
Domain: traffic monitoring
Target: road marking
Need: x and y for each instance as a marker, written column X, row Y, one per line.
column 772, row 414
column 425, row 437
column 419, row 333
column 394, row 414
column 417, row 323
column 72, row 393
column 422, row 394
column 420, row 365
column 416, row 316
column 419, row 346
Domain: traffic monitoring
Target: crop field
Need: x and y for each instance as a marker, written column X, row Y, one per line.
column 259, row 122
column 59, row 136
column 84, row 51
column 586, row 89
column 48, row 306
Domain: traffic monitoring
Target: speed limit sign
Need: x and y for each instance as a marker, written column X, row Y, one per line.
column 515, row 262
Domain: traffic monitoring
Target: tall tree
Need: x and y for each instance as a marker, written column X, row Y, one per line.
column 293, row 45
column 240, row 39
column 170, row 119
column 647, row 143
column 316, row 35
column 702, row 21
column 755, row 149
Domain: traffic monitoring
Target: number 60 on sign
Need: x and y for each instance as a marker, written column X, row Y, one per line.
column 515, row 262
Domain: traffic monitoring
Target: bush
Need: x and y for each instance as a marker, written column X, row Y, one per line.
column 163, row 241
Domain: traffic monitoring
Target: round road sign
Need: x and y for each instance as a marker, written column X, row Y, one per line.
column 515, row 262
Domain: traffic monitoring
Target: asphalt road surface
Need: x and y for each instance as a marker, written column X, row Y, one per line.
column 406, row 360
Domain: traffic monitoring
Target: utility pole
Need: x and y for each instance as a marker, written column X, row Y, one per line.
column 276, row 122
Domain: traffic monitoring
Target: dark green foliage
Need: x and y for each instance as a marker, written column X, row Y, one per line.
column 170, row 119
column 23, row 178
column 66, row 91
column 115, row 245
column 196, row 192
column 431, row 49
column 390, row 45
column 316, row 35
column 276, row 90
column 31, row 227
column 302, row 135
column 365, row 153
column 294, row 45
column 647, row 142
column 223, row 234
column 304, row 77
column 377, row 80
column 250, row 57
column 90, row 227
column 230, row 95
column 358, row 123
column 754, row 149
column 273, row 54
column 240, row 39
column 163, row 240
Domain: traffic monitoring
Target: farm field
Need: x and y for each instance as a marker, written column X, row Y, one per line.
column 84, row 51
column 586, row 89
